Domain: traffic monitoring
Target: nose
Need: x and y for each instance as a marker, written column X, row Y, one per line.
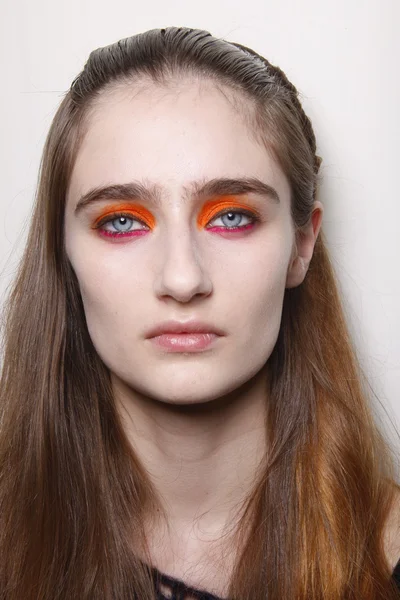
column 181, row 275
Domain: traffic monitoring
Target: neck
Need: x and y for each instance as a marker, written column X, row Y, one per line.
column 202, row 459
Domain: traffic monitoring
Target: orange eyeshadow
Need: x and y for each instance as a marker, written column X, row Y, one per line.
column 136, row 210
column 213, row 207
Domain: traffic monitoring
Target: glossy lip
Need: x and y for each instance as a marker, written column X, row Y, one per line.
column 183, row 327
column 184, row 342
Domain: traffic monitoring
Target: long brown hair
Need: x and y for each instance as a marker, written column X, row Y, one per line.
column 73, row 496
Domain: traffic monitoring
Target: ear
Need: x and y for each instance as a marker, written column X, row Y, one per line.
column 304, row 247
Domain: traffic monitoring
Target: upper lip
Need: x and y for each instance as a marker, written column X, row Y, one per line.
column 183, row 327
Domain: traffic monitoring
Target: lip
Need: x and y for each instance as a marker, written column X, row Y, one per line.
column 184, row 342
column 188, row 336
column 184, row 327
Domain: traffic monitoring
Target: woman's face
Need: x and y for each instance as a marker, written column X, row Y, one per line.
column 163, row 251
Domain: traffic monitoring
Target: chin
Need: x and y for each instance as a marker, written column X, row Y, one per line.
column 199, row 394
column 189, row 396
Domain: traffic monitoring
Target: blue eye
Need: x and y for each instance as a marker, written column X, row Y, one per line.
column 234, row 219
column 124, row 223
column 120, row 223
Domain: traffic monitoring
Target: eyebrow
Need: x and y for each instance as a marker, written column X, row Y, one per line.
column 136, row 190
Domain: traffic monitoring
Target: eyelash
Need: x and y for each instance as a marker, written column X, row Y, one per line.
column 118, row 234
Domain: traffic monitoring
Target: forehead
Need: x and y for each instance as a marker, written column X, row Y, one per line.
column 171, row 136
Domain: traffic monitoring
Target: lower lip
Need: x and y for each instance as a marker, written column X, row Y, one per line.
column 184, row 342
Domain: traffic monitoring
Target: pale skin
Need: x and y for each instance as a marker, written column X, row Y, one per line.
column 195, row 420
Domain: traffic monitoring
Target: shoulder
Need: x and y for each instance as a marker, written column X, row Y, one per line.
column 392, row 534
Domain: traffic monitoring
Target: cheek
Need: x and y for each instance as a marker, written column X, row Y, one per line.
column 117, row 284
column 261, row 300
column 110, row 296
column 112, row 293
column 112, row 313
column 105, row 277
column 258, row 301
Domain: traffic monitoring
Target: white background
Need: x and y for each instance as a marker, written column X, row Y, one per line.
column 342, row 56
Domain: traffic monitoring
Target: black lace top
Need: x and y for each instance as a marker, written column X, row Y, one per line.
column 169, row 588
